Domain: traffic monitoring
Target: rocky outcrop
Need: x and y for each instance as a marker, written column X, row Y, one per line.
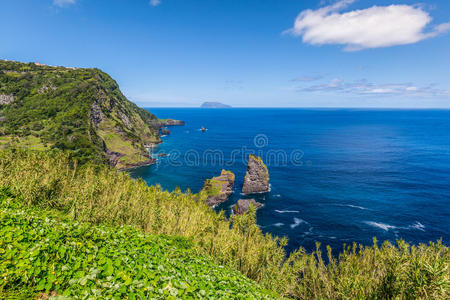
column 219, row 188
column 45, row 88
column 165, row 131
column 113, row 157
column 243, row 205
column 6, row 99
column 148, row 162
column 257, row 177
column 171, row 122
column 125, row 119
column 96, row 114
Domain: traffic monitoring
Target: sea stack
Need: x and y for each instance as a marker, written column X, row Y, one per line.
column 219, row 188
column 243, row 205
column 257, row 177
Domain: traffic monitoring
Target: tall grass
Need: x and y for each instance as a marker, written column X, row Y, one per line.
column 101, row 195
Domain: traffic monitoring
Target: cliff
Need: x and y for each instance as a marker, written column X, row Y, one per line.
column 80, row 110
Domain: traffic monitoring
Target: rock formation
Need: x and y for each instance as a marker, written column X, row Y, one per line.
column 219, row 188
column 6, row 99
column 171, row 122
column 257, row 177
column 243, row 205
column 165, row 131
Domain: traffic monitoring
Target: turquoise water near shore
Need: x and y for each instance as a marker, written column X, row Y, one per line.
column 337, row 175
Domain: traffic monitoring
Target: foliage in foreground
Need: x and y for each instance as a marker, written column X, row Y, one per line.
column 44, row 255
column 103, row 196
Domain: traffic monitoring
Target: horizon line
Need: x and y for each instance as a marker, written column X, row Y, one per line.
column 301, row 107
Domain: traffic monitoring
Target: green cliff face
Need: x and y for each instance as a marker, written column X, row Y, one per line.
column 82, row 110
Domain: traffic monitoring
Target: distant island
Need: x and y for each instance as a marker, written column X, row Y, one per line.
column 214, row 105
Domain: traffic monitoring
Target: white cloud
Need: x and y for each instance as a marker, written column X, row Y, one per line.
column 155, row 2
column 374, row 27
column 364, row 87
column 62, row 3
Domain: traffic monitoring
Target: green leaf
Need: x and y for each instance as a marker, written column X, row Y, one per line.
column 41, row 285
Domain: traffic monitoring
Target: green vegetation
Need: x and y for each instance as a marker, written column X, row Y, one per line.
column 73, row 226
column 98, row 195
column 81, row 110
column 41, row 255
column 213, row 186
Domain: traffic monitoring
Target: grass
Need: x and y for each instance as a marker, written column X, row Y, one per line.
column 42, row 254
column 133, row 152
column 102, row 196
column 28, row 142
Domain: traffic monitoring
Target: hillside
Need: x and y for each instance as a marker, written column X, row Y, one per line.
column 46, row 253
column 82, row 110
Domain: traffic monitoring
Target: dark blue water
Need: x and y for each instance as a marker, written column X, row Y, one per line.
column 337, row 176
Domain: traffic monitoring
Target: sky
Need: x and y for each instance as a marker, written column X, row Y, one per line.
column 252, row 53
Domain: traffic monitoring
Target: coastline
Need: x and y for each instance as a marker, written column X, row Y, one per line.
column 161, row 124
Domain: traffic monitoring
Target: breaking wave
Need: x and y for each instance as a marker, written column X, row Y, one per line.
column 297, row 222
column 386, row 227
column 353, row 206
column 287, row 211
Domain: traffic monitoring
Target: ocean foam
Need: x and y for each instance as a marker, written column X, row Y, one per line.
column 418, row 226
column 297, row 222
column 353, row 206
column 287, row 211
column 385, row 227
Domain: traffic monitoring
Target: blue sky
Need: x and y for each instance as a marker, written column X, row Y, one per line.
column 254, row 53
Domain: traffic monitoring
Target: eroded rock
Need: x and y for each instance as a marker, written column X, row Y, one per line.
column 6, row 99
column 96, row 114
column 171, row 122
column 243, row 205
column 219, row 188
column 257, row 177
column 165, row 131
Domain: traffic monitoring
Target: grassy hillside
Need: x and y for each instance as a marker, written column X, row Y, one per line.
column 44, row 253
column 81, row 110
column 101, row 196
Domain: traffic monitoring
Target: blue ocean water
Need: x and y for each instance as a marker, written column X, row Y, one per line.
column 337, row 175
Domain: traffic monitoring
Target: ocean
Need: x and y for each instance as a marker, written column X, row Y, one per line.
column 337, row 176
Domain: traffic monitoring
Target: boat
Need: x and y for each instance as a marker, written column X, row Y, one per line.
column 203, row 129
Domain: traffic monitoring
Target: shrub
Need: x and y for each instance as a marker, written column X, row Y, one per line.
column 100, row 195
column 43, row 255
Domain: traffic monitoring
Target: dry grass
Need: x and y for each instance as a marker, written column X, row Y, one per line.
column 101, row 195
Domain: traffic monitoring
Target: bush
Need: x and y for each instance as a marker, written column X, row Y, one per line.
column 100, row 195
column 47, row 256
